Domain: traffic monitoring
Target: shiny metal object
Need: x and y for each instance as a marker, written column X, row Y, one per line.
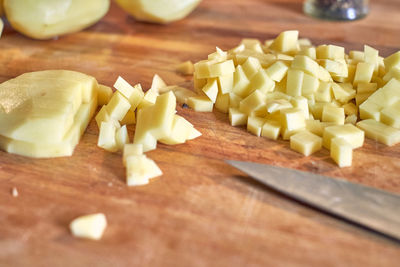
column 373, row 208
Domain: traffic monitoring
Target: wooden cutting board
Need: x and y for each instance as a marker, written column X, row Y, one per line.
column 201, row 212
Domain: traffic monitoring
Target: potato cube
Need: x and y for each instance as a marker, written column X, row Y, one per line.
column 366, row 87
column 202, row 68
column 277, row 71
column 286, row 42
column 255, row 124
column 157, row 84
column 225, row 83
column 90, row 226
column 305, row 64
column 211, row 89
column 198, row 84
column 392, row 73
column 181, row 129
column 350, row 109
column 361, row 98
column 333, row 114
column 324, row 75
column 221, row 68
column 254, row 104
column 318, row 108
column 305, row 143
column 391, row 115
column 341, row 152
column 131, row 150
column 185, row 68
column 301, row 103
column 292, row 119
column 356, row 55
column 351, row 119
column 371, row 55
column 118, row 106
column 294, row 82
column 260, row 81
column 275, row 105
column 380, row 132
column 331, row 52
column 311, row 52
column 101, row 116
column 286, row 134
column 370, row 110
column 134, row 94
column 392, row 61
column 323, row 92
column 200, row 103
column 222, row 103
column 107, row 139
column 343, row 93
column 182, row 94
column 139, row 169
column 251, row 66
column 240, row 82
column 218, row 55
column 271, row 129
column 236, row 117
column 122, row 137
column 364, row 73
column 310, row 84
column 335, row 68
column 104, row 94
column 349, row 132
column 129, row 119
column 234, row 100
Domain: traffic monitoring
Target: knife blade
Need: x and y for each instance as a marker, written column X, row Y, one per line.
column 372, row 208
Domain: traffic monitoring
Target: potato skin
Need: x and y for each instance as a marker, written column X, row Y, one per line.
column 158, row 11
column 45, row 19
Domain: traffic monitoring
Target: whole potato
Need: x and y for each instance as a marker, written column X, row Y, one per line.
column 45, row 19
column 159, row 11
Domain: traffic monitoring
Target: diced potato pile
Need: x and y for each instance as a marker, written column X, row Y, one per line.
column 153, row 113
column 313, row 96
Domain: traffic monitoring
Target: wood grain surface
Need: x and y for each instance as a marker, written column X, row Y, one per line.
column 201, row 212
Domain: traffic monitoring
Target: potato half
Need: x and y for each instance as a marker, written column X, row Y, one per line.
column 45, row 19
column 159, row 11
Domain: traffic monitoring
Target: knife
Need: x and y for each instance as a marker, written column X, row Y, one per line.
column 372, row 208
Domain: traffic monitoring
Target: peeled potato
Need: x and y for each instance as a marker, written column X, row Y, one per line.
column 159, row 11
column 45, row 19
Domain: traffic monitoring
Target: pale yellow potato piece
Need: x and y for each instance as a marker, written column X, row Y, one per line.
column 240, row 82
column 366, row 87
column 155, row 121
column 271, row 129
column 222, row 103
column 118, row 106
column 391, row 115
column 134, row 94
column 90, row 226
column 234, row 100
column 341, row 152
column 305, row 143
column 225, row 83
column 361, row 98
column 305, row 64
column 294, row 82
column 221, row 68
column 277, row 71
column 129, row 119
column 356, row 55
column 335, row 68
column 200, row 103
column 158, row 84
column 45, row 19
column 251, row 66
column 275, row 105
column 42, row 149
column 255, row 124
column 333, row 114
column 181, row 129
column 185, row 68
column 286, row 42
column 104, row 94
column 260, row 81
column 218, row 55
column 211, row 89
column 140, row 169
column 302, row 103
column 182, row 94
column 311, row 52
column 202, row 68
column 309, row 85
column 343, row 93
column 131, row 150
column 392, row 61
column 364, row 73
column 324, row 92
column 107, row 137
column 149, row 98
column 254, row 104
column 324, row 75
column 286, row 134
column 317, row 127
column 380, row 132
column 349, row 132
column 101, row 116
column 159, row 11
column 292, row 119
column 392, row 73
column 332, row 52
column 350, row 109
column 351, row 119
column 237, row 118
column 198, row 83
column 122, row 137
